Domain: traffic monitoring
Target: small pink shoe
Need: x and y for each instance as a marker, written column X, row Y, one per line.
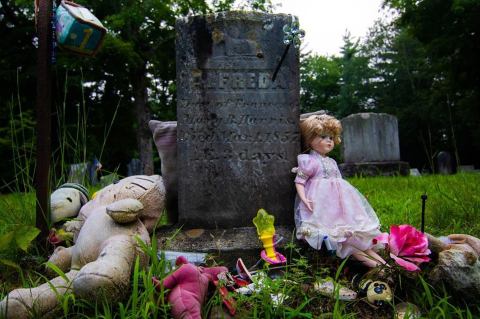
column 280, row 258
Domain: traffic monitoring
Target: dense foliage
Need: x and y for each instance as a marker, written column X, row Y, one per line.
column 421, row 67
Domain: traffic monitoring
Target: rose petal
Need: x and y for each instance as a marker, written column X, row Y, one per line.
column 397, row 239
column 417, row 260
column 415, row 241
column 411, row 249
column 405, row 264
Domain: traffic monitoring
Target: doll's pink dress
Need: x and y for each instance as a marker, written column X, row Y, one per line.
column 341, row 218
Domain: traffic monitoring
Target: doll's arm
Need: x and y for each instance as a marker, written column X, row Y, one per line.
column 170, row 281
column 301, row 193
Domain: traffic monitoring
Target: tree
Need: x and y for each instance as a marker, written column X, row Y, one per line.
column 17, row 78
column 319, row 82
column 355, row 79
column 402, row 87
column 450, row 35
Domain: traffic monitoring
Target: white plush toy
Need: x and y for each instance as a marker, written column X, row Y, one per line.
column 66, row 201
column 101, row 261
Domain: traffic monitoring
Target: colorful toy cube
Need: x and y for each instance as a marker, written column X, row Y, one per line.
column 78, row 30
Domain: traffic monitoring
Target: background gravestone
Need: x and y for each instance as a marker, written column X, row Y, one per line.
column 134, row 167
column 370, row 137
column 444, row 163
column 370, row 145
column 238, row 134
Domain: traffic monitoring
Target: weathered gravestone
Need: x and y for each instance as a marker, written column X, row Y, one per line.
column 81, row 173
column 238, row 134
column 370, row 145
column 444, row 163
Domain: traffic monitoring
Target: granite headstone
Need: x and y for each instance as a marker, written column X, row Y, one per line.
column 370, row 137
column 238, row 134
column 371, row 146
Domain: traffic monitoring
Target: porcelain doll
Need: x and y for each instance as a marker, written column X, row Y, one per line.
column 328, row 210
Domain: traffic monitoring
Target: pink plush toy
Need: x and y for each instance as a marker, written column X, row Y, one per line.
column 189, row 286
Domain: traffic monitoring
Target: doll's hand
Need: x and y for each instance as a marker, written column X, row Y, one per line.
column 309, row 204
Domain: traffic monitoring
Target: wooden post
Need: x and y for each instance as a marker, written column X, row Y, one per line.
column 43, row 110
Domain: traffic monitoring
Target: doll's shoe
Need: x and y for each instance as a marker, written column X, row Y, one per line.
column 326, row 287
column 242, row 270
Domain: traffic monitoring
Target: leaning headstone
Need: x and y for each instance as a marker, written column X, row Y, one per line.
column 444, row 163
column 371, row 146
column 238, row 133
column 134, row 167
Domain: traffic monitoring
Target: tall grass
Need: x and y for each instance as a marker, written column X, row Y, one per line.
column 453, row 201
column 17, row 209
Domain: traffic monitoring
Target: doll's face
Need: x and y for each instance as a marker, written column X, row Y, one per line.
column 322, row 144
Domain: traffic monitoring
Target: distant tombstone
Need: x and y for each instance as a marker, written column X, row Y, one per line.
column 303, row 116
column 444, row 163
column 370, row 137
column 415, row 172
column 78, row 173
column 238, row 134
column 85, row 172
column 94, row 170
column 134, row 167
column 371, row 146
column 467, row 168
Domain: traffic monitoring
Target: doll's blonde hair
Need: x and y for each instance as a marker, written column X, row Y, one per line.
column 318, row 125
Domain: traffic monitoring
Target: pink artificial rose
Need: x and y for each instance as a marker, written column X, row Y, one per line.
column 408, row 246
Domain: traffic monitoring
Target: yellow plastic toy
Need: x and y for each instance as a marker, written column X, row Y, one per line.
column 266, row 231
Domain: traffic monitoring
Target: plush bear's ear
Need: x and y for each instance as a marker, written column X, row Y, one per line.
column 125, row 210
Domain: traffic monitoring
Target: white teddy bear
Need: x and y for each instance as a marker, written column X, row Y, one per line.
column 101, row 260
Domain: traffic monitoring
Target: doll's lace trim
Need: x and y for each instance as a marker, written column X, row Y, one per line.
column 301, row 174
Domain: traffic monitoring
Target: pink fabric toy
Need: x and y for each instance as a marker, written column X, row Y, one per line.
column 189, row 286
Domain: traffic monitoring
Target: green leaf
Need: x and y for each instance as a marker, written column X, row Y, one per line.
column 57, row 270
column 24, row 236
column 9, row 263
column 5, row 240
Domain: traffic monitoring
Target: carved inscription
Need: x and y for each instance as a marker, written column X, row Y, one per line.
column 232, row 136
column 237, row 119
column 210, row 154
column 237, row 131
column 235, row 80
